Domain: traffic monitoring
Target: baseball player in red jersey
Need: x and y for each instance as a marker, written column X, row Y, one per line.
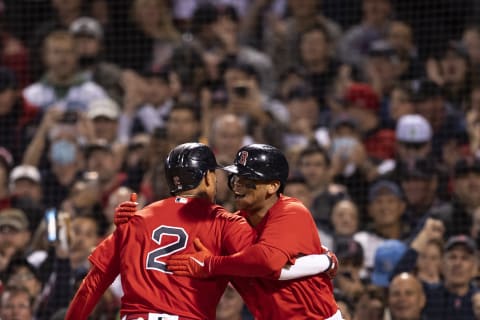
column 137, row 250
column 285, row 229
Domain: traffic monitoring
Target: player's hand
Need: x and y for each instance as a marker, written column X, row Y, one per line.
column 125, row 210
column 191, row 265
column 331, row 272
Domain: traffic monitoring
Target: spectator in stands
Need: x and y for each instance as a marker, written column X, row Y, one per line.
column 104, row 114
column 155, row 105
column 400, row 37
column 305, row 120
column 476, row 304
column 349, row 280
column 406, row 298
column 21, row 273
column 452, row 71
column 317, row 58
column 216, row 30
column 25, row 181
column 14, row 229
column 18, row 119
column 62, row 86
column 386, row 209
column 120, row 195
column 150, row 34
column 16, row 303
column 344, row 223
column 227, row 134
column 13, row 54
column 68, row 261
column 420, row 180
column 314, row 166
column 183, row 124
column 382, row 69
column 89, row 39
column 6, row 162
column 135, row 160
column 297, row 187
column 429, row 261
column 374, row 26
column 413, row 138
column 262, row 114
column 453, row 297
column 345, row 219
column 429, row 101
column 281, row 37
column 471, row 41
column 65, row 12
column 362, row 104
column 465, row 195
column 100, row 158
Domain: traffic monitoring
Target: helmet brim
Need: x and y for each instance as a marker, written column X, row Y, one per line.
column 231, row 169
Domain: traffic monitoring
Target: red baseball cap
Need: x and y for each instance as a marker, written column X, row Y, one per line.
column 363, row 96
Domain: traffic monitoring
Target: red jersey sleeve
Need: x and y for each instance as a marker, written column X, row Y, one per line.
column 89, row 293
column 237, row 232
column 287, row 231
column 106, row 255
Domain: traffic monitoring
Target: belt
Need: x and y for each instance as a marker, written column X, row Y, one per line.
column 153, row 316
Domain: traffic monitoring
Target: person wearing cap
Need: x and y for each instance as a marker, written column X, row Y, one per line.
column 62, row 72
column 362, row 103
column 104, row 114
column 14, row 229
column 18, row 118
column 413, row 136
column 373, row 26
column 25, row 181
column 386, row 208
column 452, row 298
column 429, row 101
column 89, row 40
column 382, row 69
column 406, row 298
column 465, row 184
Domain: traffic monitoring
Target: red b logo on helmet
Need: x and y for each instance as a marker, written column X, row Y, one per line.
column 243, row 158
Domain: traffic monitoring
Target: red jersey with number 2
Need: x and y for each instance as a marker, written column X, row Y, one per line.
column 289, row 227
column 138, row 251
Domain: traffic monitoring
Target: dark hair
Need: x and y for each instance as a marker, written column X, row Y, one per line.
column 185, row 106
column 312, row 149
column 318, row 27
column 246, row 68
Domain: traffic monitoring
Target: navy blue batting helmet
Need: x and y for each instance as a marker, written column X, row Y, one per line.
column 260, row 162
column 187, row 164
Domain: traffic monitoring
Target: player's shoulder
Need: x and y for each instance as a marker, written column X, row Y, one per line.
column 285, row 202
column 224, row 215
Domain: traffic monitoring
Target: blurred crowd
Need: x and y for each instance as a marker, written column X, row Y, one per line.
column 376, row 104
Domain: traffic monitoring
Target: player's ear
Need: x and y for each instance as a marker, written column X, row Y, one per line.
column 273, row 186
column 210, row 178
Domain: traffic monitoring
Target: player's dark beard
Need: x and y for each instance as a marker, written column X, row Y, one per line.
column 87, row 61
